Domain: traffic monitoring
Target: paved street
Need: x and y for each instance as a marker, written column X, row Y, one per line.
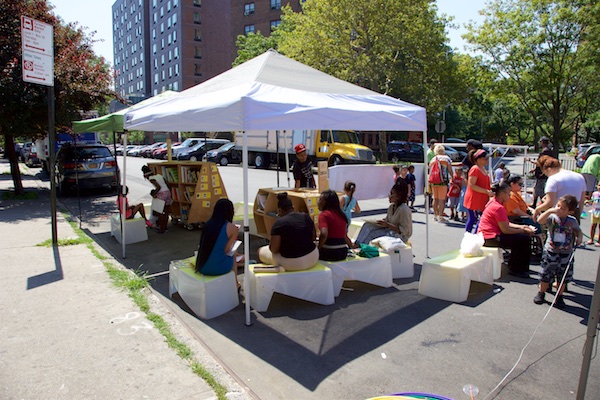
column 375, row 341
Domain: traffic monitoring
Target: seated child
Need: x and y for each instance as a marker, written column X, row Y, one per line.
column 131, row 211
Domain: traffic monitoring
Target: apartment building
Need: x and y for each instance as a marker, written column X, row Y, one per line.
column 163, row 45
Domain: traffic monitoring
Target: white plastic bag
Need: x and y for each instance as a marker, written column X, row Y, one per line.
column 388, row 243
column 471, row 245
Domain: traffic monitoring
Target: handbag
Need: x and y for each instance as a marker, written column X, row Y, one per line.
column 435, row 174
column 368, row 251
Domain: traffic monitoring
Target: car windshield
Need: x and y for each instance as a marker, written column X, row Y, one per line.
column 345, row 137
column 226, row 146
column 87, row 153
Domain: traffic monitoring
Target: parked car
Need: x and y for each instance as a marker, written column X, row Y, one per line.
column 147, row 151
column 581, row 150
column 224, row 155
column 24, row 151
column 593, row 149
column 32, row 159
column 197, row 152
column 135, row 151
column 186, row 145
column 455, row 155
column 161, row 152
column 85, row 167
column 405, row 151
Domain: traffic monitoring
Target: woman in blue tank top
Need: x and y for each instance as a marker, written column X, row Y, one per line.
column 218, row 236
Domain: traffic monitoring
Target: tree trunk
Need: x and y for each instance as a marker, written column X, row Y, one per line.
column 383, row 146
column 13, row 160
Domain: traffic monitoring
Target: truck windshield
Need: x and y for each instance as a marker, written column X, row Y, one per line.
column 345, row 137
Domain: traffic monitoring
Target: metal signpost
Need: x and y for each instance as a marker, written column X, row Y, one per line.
column 37, row 45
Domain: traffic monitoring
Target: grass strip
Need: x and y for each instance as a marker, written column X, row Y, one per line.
column 136, row 284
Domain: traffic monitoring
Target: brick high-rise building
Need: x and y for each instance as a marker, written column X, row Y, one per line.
column 163, row 45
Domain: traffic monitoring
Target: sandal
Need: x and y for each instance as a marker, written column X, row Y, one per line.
column 589, row 242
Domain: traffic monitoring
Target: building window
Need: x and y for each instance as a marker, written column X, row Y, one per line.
column 197, row 69
column 176, row 69
column 154, row 48
column 175, row 3
column 162, row 11
column 174, row 19
column 156, row 78
column 197, row 35
column 162, row 27
column 249, row 9
column 175, row 86
column 197, row 52
column 275, row 24
column 196, row 17
column 162, row 59
column 248, row 29
column 176, row 52
column 275, row 4
column 198, row 3
column 163, row 74
column 174, row 36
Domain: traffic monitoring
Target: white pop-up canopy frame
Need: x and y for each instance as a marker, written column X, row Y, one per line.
column 273, row 92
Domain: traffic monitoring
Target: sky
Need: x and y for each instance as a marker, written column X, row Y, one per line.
column 96, row 16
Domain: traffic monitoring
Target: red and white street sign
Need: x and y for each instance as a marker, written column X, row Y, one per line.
column 38, row 51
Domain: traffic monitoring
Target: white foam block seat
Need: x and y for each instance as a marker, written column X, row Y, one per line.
column 354, row 228
column 497, row 257
column 448, row 277
column 403, row 265
column 207, row 296
column 375, row 271
column 315, row 285
column 238, row 217
column 135, row 229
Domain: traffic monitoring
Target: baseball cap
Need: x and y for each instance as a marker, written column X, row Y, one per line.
column 475, row 143
column 544, row 139
column 299, row 148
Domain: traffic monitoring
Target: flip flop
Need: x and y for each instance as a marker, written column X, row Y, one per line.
column 589, row 242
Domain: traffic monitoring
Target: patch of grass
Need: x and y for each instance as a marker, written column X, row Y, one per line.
column 15, row 196
column 136, row 284
column 66, row 242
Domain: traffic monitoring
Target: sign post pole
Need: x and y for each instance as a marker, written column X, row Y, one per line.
column 37, row 45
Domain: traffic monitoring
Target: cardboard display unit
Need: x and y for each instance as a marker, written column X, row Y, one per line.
column 195, row 188
column 265, row 207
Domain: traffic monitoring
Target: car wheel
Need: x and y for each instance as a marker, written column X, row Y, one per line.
column 260, row 161
column 193, row 158
column 335, row 160
column 395, row 159
column 223, row 161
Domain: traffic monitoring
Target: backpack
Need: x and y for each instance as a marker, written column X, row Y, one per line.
column 436, row 175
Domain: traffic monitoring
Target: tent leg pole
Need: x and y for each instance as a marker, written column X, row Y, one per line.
column 246, row 230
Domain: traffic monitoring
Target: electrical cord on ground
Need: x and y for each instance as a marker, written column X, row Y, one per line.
column 535, row 330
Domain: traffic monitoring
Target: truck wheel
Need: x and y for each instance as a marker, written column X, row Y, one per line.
column 223, row 161
column 260, row 161
column 335, row 160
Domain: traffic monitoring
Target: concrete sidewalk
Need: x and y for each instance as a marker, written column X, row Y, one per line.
column 68, row 333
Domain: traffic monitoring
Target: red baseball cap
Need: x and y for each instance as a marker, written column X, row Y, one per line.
column 299, row 148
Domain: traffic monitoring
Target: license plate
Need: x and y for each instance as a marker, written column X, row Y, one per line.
column 93, row 166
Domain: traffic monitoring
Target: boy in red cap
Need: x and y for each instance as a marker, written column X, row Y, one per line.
column 303, row 174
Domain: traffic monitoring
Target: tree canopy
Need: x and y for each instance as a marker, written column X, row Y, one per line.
column 543, row 53
column 82, row 80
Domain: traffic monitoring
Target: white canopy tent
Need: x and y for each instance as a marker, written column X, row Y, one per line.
column 273, row 92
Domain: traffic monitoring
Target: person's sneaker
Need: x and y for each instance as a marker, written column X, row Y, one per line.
column 456, row 218
column 560, row 302
column 149, row 224
column 539, row 298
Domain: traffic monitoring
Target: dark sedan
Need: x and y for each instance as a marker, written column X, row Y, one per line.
column 224, row 155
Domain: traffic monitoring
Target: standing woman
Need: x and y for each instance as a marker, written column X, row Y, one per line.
column 218, row 236
column 333, row 240
column 478, row 188
column 160, row 191
column 440, row 189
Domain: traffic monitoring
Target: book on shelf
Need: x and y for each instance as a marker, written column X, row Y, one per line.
column 189, row 193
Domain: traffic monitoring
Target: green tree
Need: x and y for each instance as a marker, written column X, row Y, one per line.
column 538, row 50
column 81, row 79
column 253, row 45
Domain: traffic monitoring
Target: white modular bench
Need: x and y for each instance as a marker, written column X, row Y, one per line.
column 375, row 271
column 135, row 229
column 315, row 285
column 207, row 296
column 448, row 277
column 403, row 265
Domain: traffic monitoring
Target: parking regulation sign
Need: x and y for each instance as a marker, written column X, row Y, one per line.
column 37, row 43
